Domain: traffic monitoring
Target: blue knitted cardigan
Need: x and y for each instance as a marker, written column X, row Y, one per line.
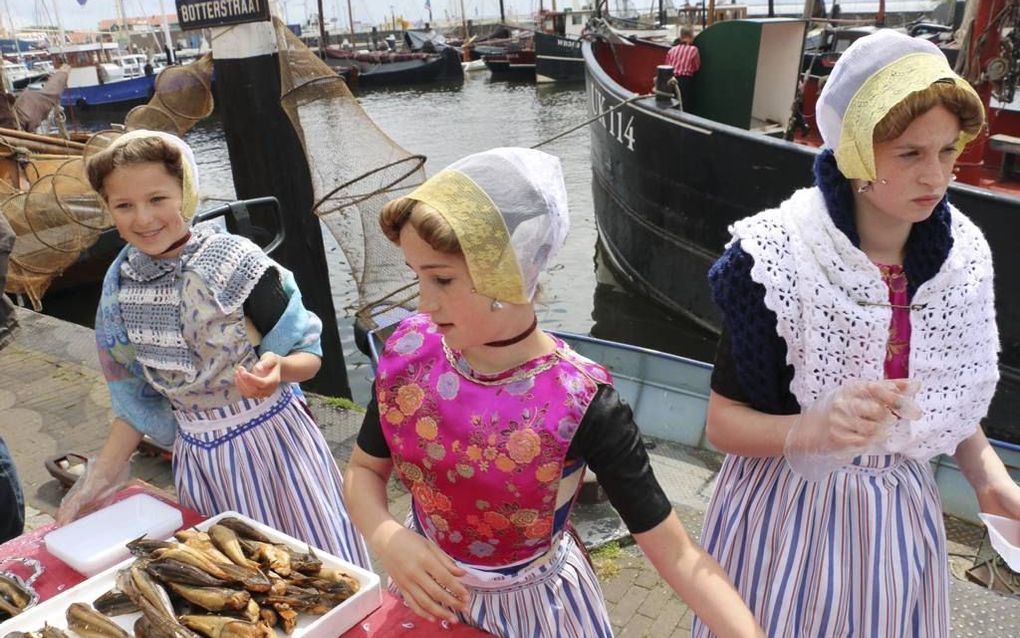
column 757, row 350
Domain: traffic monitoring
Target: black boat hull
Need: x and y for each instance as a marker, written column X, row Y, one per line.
column 444, row 67
column 558, row 59
column 666, row 185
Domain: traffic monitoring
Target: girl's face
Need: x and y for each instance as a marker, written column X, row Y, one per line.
column 447, row 294
column 145, row 201
column 917, row 167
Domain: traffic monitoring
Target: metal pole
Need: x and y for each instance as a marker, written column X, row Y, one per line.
column 171, row 57
column 502, row 13
column 350, row 20
column 322, row 32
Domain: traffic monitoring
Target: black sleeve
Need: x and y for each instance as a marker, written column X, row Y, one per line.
column 267, row 301
column 370, row 436
column 610, row 442
column 724, row 374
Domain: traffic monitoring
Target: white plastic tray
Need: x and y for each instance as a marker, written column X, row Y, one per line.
column 1005, row 536
column 98, row 541
column 330, row 625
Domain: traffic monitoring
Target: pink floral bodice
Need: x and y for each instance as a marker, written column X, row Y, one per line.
column 897, row 352
column 482, row 455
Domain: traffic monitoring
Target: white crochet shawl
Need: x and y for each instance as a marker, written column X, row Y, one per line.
column 814, row 279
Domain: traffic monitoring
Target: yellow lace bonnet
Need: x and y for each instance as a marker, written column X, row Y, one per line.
column 508, row 209
column 872, row 76
column 189, row 183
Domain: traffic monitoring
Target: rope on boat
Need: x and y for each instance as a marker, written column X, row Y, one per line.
column 592, row 119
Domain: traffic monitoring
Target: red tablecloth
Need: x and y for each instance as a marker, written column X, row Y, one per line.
column 393, row 618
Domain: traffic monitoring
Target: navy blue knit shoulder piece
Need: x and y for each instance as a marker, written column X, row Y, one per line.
column 759, row 353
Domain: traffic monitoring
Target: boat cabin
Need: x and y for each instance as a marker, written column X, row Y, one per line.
column 91, row 63
column 565, row 23
column 748, row 75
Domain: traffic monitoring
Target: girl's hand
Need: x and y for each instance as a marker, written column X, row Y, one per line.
column 1001, row 498
column 263, row 379
column 845, row 422
column 425, row 576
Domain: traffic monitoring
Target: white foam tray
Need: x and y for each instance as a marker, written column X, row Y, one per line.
column 1005, row 536
column 330, row 625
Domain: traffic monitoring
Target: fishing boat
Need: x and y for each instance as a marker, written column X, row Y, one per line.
column 558, row 46
column 669, row 397
column 377, row 68
column 558, row 41
column 515, row 62
column 667, row 183
column 96, row 80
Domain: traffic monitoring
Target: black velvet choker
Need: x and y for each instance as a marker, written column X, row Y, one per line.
column 519, row 338
column 177, row 244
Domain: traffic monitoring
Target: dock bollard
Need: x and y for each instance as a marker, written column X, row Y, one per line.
column 663, row 91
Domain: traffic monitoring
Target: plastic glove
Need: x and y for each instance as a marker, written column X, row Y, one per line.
column 94, row 490
column 846, row 422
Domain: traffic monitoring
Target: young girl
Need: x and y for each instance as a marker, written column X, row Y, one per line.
column 490, row 422
column 181, row 365
column 826, row 513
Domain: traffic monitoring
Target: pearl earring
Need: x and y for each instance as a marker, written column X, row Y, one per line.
column 883, row 181
column 496, row 305
column 953, row 177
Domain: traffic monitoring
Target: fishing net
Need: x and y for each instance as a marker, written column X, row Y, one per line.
column 356, row 168
column 53, row 211
column 183, row 97
column 55, row 219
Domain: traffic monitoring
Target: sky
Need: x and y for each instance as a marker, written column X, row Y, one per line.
column 75, row 16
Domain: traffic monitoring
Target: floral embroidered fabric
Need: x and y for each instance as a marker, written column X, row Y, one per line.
column 482, row 455
column 897, row 350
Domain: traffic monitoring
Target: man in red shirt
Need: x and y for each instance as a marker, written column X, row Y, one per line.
column 686, row 61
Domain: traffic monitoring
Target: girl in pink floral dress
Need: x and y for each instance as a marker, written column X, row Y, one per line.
column 490, row 423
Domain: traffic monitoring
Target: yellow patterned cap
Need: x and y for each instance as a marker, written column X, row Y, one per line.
column 508, row 209
column 189, row 182
column 872, row 76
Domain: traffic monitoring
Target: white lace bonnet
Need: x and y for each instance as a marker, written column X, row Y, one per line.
column 189, row 182
column 508, row 208
column 871, row 77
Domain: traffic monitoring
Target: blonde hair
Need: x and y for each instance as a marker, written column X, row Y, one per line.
column 961, row 103
column 426, row 221
column 138, row 151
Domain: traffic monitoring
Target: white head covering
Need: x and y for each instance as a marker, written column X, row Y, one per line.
column 189, row 182
column 871, row 77
column 508, row 208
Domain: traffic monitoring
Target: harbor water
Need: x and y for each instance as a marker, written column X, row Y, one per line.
column 445, row 123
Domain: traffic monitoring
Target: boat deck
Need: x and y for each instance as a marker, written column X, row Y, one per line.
column 53, row 399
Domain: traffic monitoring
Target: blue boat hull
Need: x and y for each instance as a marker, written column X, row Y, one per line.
column 137, row 89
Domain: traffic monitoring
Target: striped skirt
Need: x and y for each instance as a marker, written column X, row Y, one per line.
column 859, row 553
column 268, row 460
column 555, row 597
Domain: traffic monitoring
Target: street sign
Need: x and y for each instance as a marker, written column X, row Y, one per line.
column 200, row 14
